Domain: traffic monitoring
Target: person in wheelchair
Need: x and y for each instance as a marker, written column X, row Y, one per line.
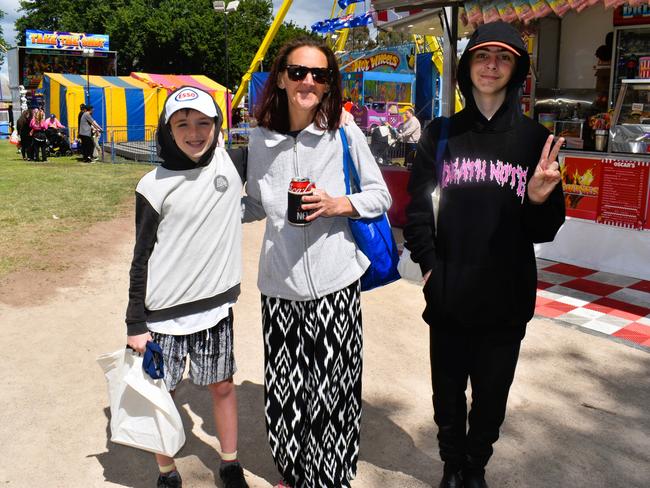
column 382, row 139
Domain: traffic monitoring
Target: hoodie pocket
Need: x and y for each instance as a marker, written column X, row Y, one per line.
column 477, row 293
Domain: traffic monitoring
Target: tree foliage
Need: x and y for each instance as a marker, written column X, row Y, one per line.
column 3, row 44
column 166, row 36
column 359, row 39
column 392, row 38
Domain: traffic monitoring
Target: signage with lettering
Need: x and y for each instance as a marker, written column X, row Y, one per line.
column 632, row 15
column 623, row 194
column 397, row 59
column 65, row 40
column 580, row 182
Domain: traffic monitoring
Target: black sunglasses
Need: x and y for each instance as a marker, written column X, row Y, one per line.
column 299, row 73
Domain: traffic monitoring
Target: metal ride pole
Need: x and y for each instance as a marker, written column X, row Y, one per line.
column 220, row 6
column 87, row 53
column 87, row 83
column 448, row 92
column 228, row 107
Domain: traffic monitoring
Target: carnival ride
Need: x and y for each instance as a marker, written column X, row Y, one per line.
column 337, row 40
column 433, row 45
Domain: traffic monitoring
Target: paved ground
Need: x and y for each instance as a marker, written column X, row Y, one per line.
column 579, row 413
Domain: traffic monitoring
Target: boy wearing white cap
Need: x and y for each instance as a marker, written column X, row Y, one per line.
column 186, row 267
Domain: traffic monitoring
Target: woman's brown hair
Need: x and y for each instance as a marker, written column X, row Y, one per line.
column 273, row 112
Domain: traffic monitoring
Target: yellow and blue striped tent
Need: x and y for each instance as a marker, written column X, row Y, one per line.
column 125, row 107
column 172, row 82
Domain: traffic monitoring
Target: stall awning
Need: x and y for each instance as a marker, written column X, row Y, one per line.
column 403, row 5
column 425, row 23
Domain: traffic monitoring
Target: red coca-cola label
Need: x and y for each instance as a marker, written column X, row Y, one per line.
column 300, row 185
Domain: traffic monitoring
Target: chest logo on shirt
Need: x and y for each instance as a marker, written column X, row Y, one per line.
column 466, row 171
column 220, row 183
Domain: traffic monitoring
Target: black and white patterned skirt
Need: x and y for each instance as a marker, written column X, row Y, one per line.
column 312, row 387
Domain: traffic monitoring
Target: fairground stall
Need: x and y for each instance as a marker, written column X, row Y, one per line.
column 127, row 109
column 378, row 97
column 6, row 115
column 170, row 82
column 588, row 83
column 591, row 87
column 56, row 52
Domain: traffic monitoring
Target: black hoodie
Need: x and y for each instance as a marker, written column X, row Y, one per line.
column 481, row 256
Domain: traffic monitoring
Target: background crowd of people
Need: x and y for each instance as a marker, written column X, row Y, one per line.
column 38, row 134
column 41, row 136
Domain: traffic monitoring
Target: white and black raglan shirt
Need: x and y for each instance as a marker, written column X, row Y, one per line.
column 187, row 253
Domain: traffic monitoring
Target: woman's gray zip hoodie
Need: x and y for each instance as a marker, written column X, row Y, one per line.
column 305, row 263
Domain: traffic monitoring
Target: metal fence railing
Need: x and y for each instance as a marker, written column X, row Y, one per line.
column 120, row 147
column 116, row 145
column 121, row 144
column 390, row 152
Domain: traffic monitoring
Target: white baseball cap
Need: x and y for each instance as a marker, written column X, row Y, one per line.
column 189, row 97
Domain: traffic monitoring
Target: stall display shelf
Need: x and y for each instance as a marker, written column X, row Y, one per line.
column 630, row 128
column 632, row 44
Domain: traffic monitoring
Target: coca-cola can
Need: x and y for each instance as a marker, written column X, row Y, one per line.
column 298, row 188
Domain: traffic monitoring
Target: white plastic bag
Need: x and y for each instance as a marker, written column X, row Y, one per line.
column 143, row 414
column 406, row 267
column 409, row 270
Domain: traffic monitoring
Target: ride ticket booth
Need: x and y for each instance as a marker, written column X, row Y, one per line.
column 69, row 53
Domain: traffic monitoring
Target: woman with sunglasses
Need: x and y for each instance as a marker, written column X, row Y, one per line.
column 309, row 274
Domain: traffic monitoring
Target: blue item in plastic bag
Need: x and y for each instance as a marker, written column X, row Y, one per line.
column 152, row 362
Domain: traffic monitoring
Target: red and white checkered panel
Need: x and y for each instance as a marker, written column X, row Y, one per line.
column 614, row 305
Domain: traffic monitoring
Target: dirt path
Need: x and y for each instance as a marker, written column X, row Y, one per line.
column 578, row 414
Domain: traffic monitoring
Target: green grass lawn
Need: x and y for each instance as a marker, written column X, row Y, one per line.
column 42, row 200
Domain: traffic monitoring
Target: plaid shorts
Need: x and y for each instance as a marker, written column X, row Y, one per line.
column 211, row 354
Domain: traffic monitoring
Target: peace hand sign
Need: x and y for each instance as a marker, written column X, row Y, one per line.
column 547, row 173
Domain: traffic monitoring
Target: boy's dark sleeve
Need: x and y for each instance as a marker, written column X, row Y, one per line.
column 146, row 227
column 420, row 231
column 239, row 157
column 543, row 221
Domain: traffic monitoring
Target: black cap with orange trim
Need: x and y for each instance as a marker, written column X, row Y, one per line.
column 498, row 34
column 496, row 44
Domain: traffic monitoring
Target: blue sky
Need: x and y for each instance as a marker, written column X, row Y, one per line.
column 9, row 7
column 302, row 12
column 305, row 12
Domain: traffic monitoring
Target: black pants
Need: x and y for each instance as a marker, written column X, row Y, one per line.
column 489, row 362
column 39, row 144
column 26, row 146
column 87, row 146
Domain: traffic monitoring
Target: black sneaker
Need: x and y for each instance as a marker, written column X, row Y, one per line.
column 232, row 475
column 170, row 480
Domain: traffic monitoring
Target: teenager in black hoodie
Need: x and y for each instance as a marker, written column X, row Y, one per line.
column 499, row 178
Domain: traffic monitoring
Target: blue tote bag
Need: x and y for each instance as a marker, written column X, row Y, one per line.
column 373, row 236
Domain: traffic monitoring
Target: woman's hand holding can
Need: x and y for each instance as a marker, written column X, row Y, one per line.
column 321, row 204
